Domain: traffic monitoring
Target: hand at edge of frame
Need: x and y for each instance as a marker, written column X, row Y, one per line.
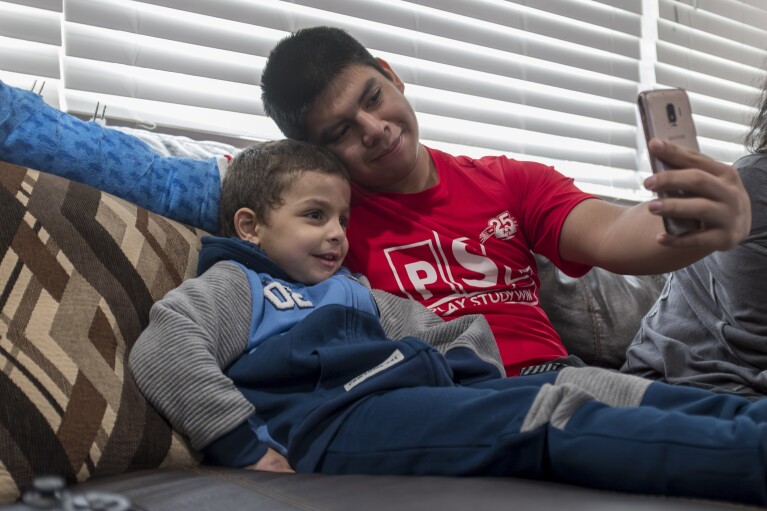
column 717, row 197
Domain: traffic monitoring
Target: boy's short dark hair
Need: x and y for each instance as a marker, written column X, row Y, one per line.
column 300, row 68
column 259, row 175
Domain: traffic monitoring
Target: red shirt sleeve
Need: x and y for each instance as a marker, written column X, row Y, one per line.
column 545, row 198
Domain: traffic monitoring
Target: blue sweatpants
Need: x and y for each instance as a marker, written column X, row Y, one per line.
column 678, row 441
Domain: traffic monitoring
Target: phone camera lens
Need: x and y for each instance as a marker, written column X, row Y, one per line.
column 671, row 113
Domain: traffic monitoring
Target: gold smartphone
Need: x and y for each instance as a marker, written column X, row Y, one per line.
column 666, row 114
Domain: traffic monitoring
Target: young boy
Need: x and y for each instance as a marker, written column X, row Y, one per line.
column 277, row 272
column 315, row 383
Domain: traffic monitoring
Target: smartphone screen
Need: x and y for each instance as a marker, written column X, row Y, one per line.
column 666, row 114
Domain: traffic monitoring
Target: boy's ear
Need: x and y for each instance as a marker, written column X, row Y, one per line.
column 246, row 226
column 391, row 74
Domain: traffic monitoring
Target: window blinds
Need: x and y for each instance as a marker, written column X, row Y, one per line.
column 30, row 46
column 716, row 50
column 549, row 80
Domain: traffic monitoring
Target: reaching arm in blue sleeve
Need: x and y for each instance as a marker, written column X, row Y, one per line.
column 36, row 135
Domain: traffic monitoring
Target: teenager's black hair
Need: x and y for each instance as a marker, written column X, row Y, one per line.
column 259, row 176
column 300, row 68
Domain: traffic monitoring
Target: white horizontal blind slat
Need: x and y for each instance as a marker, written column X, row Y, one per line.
column 673, row 33
column 735, row 10
column 620, row 16
column 50, row 5
column 509, row 88
column 30, row 24
column 206, row 29
column 30, row 44
column 627, row 5
column 519, row 116
column 195, row 119
column 118, row 47
column 121, row 80
column 33, row 59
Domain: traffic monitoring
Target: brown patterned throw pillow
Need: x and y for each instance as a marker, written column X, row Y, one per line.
column 79, row 271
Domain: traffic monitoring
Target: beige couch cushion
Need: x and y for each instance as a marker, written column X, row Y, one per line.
column 79, row 271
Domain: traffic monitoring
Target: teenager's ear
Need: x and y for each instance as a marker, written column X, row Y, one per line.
column 391, row 74
column 246, row 226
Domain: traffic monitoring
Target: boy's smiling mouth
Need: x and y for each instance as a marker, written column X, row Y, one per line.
column 328, row 259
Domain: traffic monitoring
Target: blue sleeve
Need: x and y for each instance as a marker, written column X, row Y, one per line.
column 468, row 368
column 36, row 135
column 238, row 448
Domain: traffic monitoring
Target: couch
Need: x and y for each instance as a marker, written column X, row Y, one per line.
column 79, row 271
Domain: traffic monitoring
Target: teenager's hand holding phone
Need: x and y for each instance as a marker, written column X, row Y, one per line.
column 702, row 202
column 715, row 195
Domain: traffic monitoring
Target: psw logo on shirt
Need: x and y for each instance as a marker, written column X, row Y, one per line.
column 446, row 276
column 503, row 227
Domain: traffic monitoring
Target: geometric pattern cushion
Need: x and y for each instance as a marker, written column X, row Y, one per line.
column 79, row 271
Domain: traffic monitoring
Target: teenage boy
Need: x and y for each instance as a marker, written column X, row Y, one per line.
column 456, row 233
column 319, row 386
column 453, row 233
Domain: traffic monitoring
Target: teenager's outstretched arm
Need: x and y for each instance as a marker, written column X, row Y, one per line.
column 633, row 240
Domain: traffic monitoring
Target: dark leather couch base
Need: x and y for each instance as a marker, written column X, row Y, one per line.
column 219, row 489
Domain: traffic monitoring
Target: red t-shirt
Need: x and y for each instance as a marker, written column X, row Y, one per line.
column 463, row 246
